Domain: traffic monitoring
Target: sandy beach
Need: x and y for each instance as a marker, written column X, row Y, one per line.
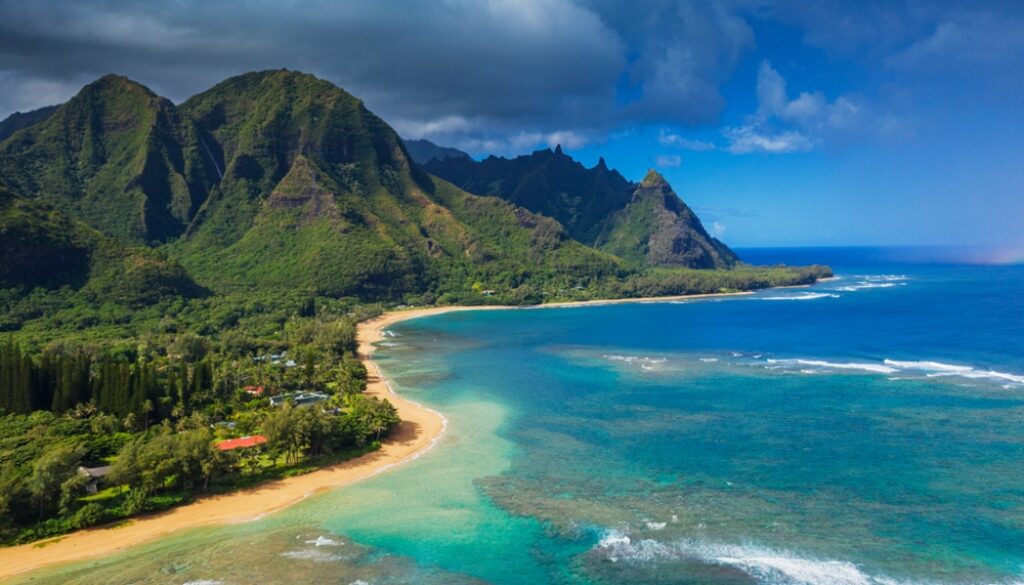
column 419, row 430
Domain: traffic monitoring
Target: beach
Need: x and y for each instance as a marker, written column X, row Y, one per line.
column 419, row 430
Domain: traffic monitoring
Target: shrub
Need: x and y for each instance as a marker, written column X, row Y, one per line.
column 88, row 515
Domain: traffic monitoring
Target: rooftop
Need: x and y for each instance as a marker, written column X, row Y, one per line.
column 241, row 443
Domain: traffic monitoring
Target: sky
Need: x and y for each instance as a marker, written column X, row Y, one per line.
column 783, row 123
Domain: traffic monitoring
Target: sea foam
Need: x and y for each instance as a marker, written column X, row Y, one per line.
column 763, row 564
column 931, row 369
column 801, row 297
column 312, row 554
column 324, row 541
column 939, row 369
column 876, row 368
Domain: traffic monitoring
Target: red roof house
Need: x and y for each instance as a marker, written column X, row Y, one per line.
column 241, row 443
column 254, row 390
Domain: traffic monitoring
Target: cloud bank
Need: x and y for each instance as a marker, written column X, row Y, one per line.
column 506, row 75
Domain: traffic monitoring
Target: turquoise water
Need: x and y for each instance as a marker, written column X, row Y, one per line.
column 867, row 430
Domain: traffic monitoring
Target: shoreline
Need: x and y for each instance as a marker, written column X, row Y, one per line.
column 420, row 430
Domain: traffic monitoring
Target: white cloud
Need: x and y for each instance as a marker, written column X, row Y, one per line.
column 668, row 161
column 717, row 229
column 748, row 139
column 519, row 142
column 666, row 138
column 783, row 125
column 808, row 109
column 425, row 128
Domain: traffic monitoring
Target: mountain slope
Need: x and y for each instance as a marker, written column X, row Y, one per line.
column 423, row 151
column 657, row 228
column 19, row 120
column 646, row 224
column 43, row 247
column 116, row 156
column 320, row 193
column 546, row 182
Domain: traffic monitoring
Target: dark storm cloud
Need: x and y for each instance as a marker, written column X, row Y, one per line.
column 488, row 76
column 496, row 72
column 431, row 66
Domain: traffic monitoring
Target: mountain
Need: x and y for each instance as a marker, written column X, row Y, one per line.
column 546, row 182
column 658, row 229
column 19, row 120
column 646, row 223
column 43, row 247
column 423, row 151
column 319, row 193
column 277, row 181
column 117, row 156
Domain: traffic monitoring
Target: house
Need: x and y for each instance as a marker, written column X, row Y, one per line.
column 241, row 443
column 304, row 398
column 300, row 399
column 94, row 475
column 487, row 293
column 254, row 390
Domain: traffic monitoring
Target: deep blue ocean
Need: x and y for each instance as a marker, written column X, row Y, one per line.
column 866, row 430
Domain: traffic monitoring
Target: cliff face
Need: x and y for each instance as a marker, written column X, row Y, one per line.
column 116, row 156
column 546, row 182
column 658, row 228
column 277, row 179
column 644, row 223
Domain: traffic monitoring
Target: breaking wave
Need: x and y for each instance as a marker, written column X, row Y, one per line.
column 867, row 367
column 312, row 554
column 324, row 541
column 632, row 359
column 931, row 369
column 765, row 565
column 801, row 297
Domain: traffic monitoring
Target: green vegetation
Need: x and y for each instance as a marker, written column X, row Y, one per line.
column 153, row 407
column 657, row 229
column 166, row 271
column 423, row 151
column 116, row 156
column 19, row 120
column 645, row 224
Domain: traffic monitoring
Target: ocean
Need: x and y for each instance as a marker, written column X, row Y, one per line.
column 866, row 430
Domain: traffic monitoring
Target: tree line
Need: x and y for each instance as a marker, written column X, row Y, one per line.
column 59, row 382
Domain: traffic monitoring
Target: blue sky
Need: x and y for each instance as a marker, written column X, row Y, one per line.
column 783, row 122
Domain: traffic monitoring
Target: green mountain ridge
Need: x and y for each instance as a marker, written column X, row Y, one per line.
column 657, row 228
column 321, row 193
column 423, row 151
column 598, row 206
column 43, row 247
column 280, row 181
column 117, row 156
column 20, row 120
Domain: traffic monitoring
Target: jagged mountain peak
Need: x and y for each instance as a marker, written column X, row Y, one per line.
column 646, row 223
column 654, row 179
